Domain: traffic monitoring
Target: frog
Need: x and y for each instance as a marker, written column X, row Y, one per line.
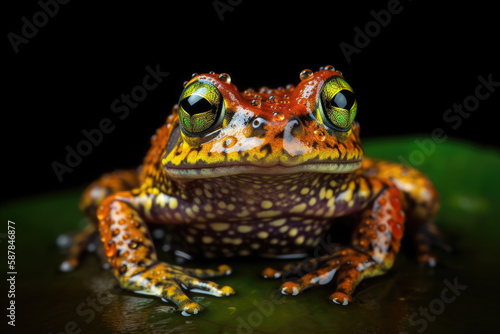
column 262, row 173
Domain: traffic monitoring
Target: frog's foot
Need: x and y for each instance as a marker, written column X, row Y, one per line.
column 424, row 238
column 375, row 242
column 77, row 246
column 131, row 254
column 168, row 282
column 348, row 267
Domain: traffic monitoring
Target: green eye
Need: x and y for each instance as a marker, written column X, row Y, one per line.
column 199, row 107
column 338, row 104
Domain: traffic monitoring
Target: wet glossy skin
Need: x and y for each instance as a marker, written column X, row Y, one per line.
column 258, row 173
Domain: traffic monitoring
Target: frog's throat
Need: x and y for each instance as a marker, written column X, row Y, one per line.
column 278, row 169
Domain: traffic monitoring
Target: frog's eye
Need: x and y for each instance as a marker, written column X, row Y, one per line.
column 199, row 107
column 338, row 105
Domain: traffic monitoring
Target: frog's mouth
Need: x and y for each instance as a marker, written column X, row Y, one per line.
column 213, row 171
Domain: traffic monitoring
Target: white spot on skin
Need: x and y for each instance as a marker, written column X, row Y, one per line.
column 425, row 194
column 91, row 247
column 343, row 195
column 97, row 192
column 208, row 290
column 404, row 186
column 144, row 293
column 65, row 267
column 64, row 241
column 289, row 256
column 214, row 292
column 233, row 129
column 161, row 200
column 344, row 303
column 184, row 313
column 364, row 265
column 325, row 278
column 292, row 144
column 183, row 255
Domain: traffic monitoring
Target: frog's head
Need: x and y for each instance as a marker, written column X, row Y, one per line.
column 221, row 131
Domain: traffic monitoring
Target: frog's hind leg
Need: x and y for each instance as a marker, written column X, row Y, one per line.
column 91, row 199
column 78, row 244
column 420, row 202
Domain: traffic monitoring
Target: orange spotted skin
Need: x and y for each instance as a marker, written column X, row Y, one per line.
column 262, row 173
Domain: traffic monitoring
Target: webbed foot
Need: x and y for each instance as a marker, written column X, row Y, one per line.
column 168, row 282
column 375, row 242
column 346, row 267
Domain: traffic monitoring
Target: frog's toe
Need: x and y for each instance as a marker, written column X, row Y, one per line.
column 291, row 288
column 68, row 265
column 174, row 294
column 346, row 268
column 427, row 259
column 190, row 309
column 222, row 270
column 340, row 298
column 318, row 277
column 288, row 268
column 76, row 247
column 427, row 236
column 207, row 287
column 271, row 273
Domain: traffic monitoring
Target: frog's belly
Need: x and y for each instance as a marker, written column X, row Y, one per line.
column 283, row 237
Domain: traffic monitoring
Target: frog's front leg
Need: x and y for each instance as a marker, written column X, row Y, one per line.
column 131, row 254
column 374, row 245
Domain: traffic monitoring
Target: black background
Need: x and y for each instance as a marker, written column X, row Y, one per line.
column 66, row 77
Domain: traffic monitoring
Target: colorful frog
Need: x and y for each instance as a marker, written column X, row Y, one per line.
column 258, row 174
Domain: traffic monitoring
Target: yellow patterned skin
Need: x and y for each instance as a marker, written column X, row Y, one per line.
column 258, row 173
